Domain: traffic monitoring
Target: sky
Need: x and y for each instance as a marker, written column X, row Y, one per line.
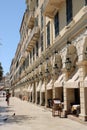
column 11, row 14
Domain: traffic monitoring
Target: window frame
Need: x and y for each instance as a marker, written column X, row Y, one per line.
column 48, row 34
column 42, row 46
column 37, row 48
column 56, row 24
column 69, row 11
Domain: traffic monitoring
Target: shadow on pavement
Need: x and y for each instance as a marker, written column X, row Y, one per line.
column 18, row 119
column 5, row 109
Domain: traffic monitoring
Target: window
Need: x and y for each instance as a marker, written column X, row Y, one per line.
column 85, row 2
column 30, row 57
column 42, row 42
column 69, row 10
column 37, row 3
column 48, row 34
column 33, row 54
column 56, row 24
column 41, row 16
column 27, row 61
column 36, row 21
column 36, row 48
column 17, row 64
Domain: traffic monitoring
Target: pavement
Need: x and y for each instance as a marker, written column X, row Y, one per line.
column 23, row 115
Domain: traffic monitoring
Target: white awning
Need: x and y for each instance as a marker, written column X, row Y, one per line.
column 38, row 87
column 59, row 81
column 2, row 87
column 43, row 87
column 73, row 82
column 29, row 88
column 49, row 85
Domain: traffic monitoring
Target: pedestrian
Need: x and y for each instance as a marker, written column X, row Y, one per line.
column 7, row 98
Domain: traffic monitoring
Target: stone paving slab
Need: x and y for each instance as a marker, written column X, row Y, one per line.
column 29, row 116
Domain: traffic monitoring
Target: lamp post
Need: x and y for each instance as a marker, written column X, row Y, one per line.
column 86, row 52
column 68, row 64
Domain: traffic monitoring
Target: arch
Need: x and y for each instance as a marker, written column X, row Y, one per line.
column 72, row 54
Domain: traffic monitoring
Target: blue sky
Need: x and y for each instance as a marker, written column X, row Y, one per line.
column 11, row 14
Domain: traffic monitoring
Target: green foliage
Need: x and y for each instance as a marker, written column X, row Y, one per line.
column 1, row 71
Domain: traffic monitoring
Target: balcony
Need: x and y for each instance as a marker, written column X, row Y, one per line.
column 31, row 19
column 32, row 38
column 22, row 58
column 50, row 6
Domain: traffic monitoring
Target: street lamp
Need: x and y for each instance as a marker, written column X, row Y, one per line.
column 68, row 64
column 86, row 52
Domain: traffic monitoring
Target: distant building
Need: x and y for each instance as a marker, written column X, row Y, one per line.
column 7, row 81
column 2, row 84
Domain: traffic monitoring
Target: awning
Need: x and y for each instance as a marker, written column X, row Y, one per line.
column 43, row 87
column 73, row 82
column 49, row 85
column 38, row 87
column 59, row 81
column 29, row 88
column 1, row 88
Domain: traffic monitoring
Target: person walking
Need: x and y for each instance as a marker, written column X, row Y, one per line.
column 7, row 98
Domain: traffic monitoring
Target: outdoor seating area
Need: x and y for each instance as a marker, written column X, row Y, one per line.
column 57, row 107
column 75, row 109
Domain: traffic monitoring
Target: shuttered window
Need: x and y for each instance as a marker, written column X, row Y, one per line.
column 69, row 11
column 56, row 24
column 48, row 34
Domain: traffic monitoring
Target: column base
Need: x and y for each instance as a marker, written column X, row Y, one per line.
column 65, row 113
column 83, row 117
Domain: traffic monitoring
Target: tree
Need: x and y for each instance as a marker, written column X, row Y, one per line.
column 1, row 72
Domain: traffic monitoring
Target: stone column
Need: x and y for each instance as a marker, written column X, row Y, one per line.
column 66, row 100
column 40, row 93
column 36, row 92
column 83, row 98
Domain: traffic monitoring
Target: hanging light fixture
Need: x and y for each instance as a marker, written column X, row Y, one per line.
column 68, row 42
column 40, row 75
column 68, row 64
column 55, row 66
column 86, row 52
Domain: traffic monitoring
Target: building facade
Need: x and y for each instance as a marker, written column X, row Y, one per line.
column 51, row 57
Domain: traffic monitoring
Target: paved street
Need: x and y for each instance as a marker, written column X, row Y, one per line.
column 29, row 116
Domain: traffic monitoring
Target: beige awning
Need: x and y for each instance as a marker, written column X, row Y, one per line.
column 49, row 85
column 73, row 82
column 38, row 87
column 43, row 87
column 29, row 88
column 59, row 81
column 1, row 88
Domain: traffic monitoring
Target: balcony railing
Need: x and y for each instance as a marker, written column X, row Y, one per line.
column 50, row 7
column 31, row 19
column 32, row 38
column 22, row 58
